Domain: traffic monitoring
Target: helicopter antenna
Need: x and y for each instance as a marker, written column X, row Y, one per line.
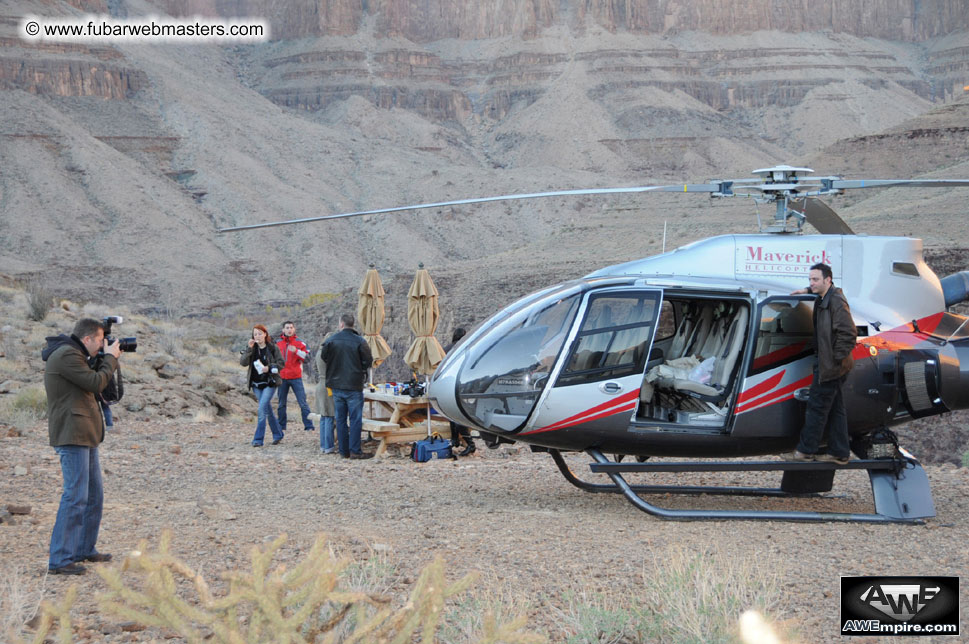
column 664, row 235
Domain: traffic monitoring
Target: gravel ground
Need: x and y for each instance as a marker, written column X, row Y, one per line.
column 506, row 512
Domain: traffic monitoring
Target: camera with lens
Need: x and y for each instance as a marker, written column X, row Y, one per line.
column 413, row 388
column 125, row 344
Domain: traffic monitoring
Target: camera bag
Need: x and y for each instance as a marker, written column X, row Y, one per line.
column 431, row 448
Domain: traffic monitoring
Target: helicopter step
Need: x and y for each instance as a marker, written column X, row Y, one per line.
column 900, row 488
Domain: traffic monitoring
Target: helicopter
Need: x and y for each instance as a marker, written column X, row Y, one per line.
column 703, row 352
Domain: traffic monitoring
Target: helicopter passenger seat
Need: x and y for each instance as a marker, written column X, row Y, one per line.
column 720, row 317
column 702, row 330
column 726, row 356
column 684, row 332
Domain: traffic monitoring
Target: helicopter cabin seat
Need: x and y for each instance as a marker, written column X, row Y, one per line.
column 674, row 376
column 725, row 359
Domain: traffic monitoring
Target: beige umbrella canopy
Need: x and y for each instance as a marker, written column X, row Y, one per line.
column 370, row 314
column 425, row 353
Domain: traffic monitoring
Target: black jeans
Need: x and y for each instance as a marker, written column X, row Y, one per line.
column 826, row 415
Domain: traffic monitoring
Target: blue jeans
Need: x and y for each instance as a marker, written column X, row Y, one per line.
column 79, row 514
column 326, row 434
column 348, row 404
column 297, row 385
column 265, row 398
column 825, row 415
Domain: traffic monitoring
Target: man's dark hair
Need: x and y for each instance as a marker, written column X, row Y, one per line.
column 347, row 320
column 289, row 322
column 825, row 270
column 458, row 334
column 87, row 326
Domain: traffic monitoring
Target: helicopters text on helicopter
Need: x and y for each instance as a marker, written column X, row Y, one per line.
column 703, row 352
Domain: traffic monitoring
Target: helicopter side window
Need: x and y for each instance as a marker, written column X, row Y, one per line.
column 613, row 339
column 784, row 334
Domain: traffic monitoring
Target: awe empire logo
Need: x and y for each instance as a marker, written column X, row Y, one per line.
column 900, row 601
column 899, row 605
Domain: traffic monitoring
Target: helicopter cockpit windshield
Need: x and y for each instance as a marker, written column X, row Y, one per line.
column 501, row 381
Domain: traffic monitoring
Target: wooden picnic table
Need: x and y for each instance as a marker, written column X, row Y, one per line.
column 398, row 419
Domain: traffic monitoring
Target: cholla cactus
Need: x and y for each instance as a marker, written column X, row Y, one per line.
column 305, row 604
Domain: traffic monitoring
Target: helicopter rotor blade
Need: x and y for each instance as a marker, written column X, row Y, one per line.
column 820, row 215
column 848, row 184
column 721, row 188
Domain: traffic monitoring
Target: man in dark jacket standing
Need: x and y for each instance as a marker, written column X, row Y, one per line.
column 76, row 429
column 347, row 359
column 835, row 336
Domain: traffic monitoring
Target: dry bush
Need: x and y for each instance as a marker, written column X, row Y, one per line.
column 170, row 337
column 28, row 406
column 314, row 601
column 39, row 301
column 206, row 415
column 699, row 596
column 18, row 601
column 688, row 597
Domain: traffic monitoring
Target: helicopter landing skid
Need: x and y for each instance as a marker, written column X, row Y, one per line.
column 899, row 486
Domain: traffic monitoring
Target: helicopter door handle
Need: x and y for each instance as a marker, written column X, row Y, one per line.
column 610, row 388
column 802, row 394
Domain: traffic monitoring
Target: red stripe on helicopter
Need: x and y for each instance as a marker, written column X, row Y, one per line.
column 775, row 396
column 760, row 388
column 780, row 355
column 626, row 402
column 901, row 337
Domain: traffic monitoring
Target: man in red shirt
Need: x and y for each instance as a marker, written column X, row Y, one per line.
column 294, row 353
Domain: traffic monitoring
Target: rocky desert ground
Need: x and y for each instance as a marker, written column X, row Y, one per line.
column 578, row 565
column 119, row 162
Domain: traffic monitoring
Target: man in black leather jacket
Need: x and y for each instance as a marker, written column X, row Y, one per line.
column 835, row 336
column 347, row 359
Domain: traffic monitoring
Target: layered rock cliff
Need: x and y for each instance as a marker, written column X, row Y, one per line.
column 137, row 153
column 905, row 20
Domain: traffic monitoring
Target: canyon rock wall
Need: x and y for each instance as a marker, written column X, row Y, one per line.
column 426, row 21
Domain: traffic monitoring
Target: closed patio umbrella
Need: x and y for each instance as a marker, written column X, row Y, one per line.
column 370, row 313
column 425, row 352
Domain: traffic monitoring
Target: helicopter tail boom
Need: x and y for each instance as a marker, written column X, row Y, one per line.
column 955, row 288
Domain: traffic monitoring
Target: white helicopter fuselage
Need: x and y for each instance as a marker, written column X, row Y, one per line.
column 703, row 351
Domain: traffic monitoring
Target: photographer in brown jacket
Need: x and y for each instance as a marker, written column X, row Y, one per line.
column 76, row 428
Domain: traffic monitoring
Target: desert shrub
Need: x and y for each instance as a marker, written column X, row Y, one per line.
column 310, row 602
column 206, row 415
column 170, row 338
column 18, row 601
column 39, row 301
column 688, row 597
column 317, row 298
column 698, row 596
column 965, row 458
column 596, row 618
column 31, row 402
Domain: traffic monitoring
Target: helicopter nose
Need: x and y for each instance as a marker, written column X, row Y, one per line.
column 442, row 391
column 494, row 381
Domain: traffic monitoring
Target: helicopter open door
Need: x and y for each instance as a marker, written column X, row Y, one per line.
column 597, row 382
